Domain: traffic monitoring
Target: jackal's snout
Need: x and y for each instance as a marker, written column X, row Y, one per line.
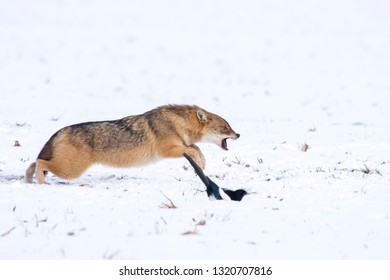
column 235, row 136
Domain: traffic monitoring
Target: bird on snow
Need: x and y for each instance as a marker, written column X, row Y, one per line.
column 212, row 189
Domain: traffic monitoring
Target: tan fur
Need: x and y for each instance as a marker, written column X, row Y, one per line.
column 165, row 132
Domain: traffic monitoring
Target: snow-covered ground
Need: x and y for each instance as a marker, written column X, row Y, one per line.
column 283, row 73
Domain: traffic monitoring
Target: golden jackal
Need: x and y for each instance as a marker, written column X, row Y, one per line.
column 165, row 132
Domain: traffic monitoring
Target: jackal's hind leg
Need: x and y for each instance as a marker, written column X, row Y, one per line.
column 41, row 169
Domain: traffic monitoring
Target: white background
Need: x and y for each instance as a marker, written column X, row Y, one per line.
column 283, row 73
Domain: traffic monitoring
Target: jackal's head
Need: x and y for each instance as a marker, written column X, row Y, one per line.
column 215, row 129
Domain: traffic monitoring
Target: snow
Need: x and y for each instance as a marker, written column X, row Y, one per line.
column 282, row 73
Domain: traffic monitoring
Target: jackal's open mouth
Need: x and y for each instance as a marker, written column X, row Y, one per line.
column 224, row 141
column 224, row 144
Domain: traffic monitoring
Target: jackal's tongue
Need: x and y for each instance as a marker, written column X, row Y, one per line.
column 224, row 144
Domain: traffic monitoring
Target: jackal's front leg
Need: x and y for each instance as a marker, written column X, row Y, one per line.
column 178, row 150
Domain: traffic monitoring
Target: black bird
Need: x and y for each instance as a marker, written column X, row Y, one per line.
column 212, row 188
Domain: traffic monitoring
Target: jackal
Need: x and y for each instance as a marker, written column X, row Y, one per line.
column 165, row 132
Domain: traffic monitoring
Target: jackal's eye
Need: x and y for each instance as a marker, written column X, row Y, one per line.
column 225, row 129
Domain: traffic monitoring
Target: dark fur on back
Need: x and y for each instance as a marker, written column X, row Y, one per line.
column 107, row 135
column 100, row 136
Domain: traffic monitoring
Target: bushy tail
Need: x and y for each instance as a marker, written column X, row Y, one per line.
column 30, row 172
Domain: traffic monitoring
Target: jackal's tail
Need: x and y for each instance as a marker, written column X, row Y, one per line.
column 30, row 172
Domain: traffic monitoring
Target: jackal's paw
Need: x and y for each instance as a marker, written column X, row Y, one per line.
column 203, row 164
column 198, row 156
column 201, row 161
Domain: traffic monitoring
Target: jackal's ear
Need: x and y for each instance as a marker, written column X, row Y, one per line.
column 201, row 115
